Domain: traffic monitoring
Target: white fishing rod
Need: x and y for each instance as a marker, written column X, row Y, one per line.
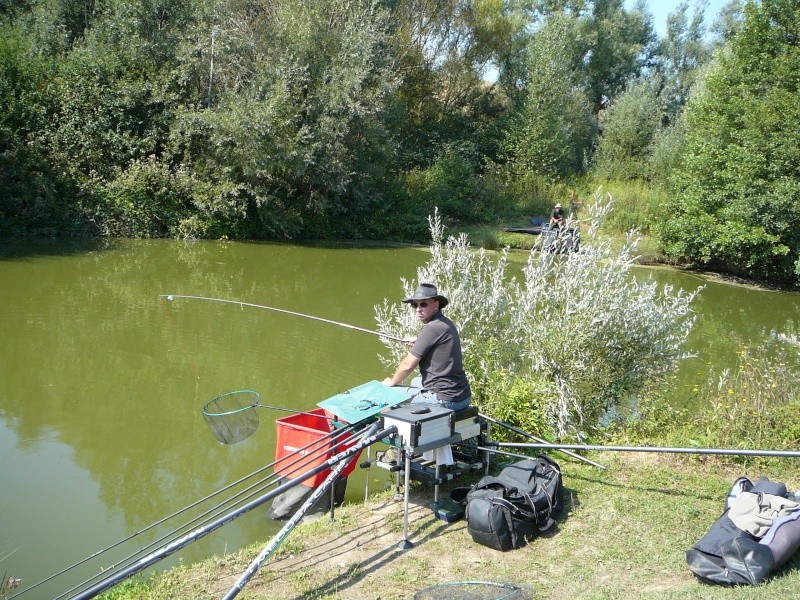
column 259, row 560
column 656, row 449
column 172, row 297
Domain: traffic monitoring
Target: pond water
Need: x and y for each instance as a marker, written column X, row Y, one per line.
column 104, row 380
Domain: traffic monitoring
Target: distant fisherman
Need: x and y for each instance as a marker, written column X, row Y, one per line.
column 557, row 216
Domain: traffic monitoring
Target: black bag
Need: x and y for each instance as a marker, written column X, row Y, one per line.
column 506, row 511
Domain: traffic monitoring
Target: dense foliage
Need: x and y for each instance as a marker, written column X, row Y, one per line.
column 285, row 120
column 736, row 204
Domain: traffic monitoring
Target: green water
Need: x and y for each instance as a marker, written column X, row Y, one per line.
column 103, row 380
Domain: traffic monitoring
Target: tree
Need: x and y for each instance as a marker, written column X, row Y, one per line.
column 680, row 55
column 299, row 129
column 553, row 131
column 33, row 195
column 736, row 200
column 728, row 21
column 620, row 45
column 629, row 127
column 442, row 52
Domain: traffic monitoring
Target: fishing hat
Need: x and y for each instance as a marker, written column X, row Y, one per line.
column 426, row 291
column 558, row 205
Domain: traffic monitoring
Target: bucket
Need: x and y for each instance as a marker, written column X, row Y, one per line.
column 294, row 454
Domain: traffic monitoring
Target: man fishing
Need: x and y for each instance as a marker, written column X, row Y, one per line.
column 437, row 352
column 557, row 216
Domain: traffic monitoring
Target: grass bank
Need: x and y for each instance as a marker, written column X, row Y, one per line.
column 622, row 535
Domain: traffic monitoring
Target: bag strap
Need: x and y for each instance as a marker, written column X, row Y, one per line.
column 515, row 510
column 529, row 501
column 489, row 481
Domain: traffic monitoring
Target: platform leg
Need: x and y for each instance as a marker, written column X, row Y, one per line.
column 369, row 474
column 406, row 543
column 436, row 486
column 400, row 456
column 486, row 453
column 333, row 498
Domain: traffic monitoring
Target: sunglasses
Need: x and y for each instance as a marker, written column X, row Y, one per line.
column 414, row 305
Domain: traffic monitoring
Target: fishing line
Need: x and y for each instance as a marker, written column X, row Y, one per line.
column 172, row 297
column 203, row 519
column 296, row 460
column 176, row 545
column 540, row 440
column 290, row 525
column 503, row 452
column 198, row 522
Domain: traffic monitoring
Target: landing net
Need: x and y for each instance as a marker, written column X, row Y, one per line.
column 231, row 417
column 472, row 590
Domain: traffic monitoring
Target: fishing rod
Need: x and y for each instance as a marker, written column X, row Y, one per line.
column 248, row 492
column 204, row 530
column 307, row 455
column 657, row 449
column 540, row 440
column 259, row 561
column 172, row 297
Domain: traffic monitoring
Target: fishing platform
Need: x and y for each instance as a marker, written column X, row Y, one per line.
column 428, row 434
column 430, row 444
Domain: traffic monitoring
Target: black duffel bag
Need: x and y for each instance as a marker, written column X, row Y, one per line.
column 506, row 511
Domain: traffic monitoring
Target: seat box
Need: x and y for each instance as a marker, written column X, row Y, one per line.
column 421, row 424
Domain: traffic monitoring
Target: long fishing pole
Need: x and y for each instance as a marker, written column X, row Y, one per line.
column 172, row 297
column 333, row 434
column 177, row 544
column 262, row 557
column 540, row 440
column 657, row 449
column 306, row 454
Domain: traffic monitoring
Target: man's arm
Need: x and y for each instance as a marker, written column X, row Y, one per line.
column 404, row 369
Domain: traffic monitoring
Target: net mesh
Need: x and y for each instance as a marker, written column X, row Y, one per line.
column 231, row 417
column 472, row 590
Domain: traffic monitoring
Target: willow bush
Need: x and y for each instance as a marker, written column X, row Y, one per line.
column 554, row 348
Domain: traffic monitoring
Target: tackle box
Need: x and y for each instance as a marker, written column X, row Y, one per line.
column 421, row 424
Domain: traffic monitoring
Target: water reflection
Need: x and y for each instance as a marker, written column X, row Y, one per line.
column 103, row 380
column 729, row 317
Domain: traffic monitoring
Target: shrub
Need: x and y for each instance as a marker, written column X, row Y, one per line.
column 452, row 184
column 148, row 199
column 575, row 338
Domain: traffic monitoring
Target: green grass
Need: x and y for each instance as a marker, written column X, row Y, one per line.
column 623, row 534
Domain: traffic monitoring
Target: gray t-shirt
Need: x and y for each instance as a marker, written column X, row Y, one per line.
column 439, row 349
